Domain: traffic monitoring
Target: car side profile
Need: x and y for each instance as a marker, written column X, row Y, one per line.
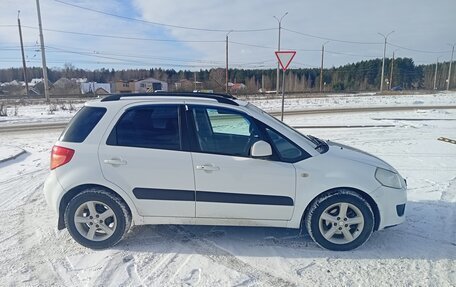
column 211, row 159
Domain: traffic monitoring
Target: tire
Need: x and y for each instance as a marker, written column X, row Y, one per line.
column 97, row 219
column 340, row 221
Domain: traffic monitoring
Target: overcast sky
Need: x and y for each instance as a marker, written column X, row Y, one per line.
column 423, row 29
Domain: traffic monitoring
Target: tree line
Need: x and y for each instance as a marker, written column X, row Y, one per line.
column 359, row 76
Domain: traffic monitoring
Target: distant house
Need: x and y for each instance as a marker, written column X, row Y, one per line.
column 35, row 81
column 187, row 85
column 13, row 83
column 184, row 84
column 101, row 91
column 38, row 89
column 95, row 88
column 148, row 85
column 124, row 87
column 235, row 87
column 79, row 80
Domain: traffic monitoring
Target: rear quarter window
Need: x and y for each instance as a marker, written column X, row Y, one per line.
column 82, row 124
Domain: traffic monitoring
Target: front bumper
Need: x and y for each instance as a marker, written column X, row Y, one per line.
column 391, row 204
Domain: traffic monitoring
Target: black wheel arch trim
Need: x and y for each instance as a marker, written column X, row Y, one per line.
column 361, row 193
column 70, row 194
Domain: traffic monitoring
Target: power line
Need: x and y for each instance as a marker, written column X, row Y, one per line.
column 331, row 39
column 271, row 48
column 416, row 50
column 86, row 52
column 163, row 24
column 252, row 45
column 220, row 41
column 211, row 64
column 350, row 54
column 125, row 37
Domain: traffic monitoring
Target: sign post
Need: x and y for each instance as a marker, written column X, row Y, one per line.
column 285, row 58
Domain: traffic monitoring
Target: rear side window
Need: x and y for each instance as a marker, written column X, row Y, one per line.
column 154, row 127
column 82, row 124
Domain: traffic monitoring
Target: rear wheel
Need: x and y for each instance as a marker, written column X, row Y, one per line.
column 340, row 221
column 97, row 219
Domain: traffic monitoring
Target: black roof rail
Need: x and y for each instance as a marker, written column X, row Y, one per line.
column 221, row 98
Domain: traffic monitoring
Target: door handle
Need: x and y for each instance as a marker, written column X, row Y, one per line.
column 115, row 161
column 207, row 167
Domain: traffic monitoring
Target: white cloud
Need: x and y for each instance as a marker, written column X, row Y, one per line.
column 416, row 25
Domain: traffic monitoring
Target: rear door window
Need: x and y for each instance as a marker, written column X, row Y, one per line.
column 155, row 127
column 82, row 124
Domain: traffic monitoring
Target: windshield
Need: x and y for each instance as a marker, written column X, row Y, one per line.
column 258, row 110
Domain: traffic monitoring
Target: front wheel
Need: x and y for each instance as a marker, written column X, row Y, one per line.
column 340, row 221
column 97, row 219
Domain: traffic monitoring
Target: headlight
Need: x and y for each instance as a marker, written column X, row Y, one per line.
column 388, row 178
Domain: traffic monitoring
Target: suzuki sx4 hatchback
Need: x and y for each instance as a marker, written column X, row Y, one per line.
column 211, row 159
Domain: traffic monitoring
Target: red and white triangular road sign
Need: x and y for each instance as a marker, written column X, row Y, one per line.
column 285, row 58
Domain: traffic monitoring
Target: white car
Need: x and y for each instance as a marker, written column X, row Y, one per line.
column 210, row 159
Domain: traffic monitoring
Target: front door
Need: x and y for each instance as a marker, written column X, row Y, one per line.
column 229, row 183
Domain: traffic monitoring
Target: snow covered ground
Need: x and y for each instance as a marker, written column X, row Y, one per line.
column 357, row 101
column 61, row 112
column 420, row 252
column 22, row 114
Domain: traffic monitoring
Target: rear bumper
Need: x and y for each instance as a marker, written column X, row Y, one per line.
column 52, row 191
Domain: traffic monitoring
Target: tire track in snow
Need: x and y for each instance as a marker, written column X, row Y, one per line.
column 23, row 210
column 15, row 192
column 217, row 255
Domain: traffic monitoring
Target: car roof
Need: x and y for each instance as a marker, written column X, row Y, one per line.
column 221, row 98
column 117, row 100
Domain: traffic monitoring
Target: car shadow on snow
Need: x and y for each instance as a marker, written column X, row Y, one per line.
column 428, row 233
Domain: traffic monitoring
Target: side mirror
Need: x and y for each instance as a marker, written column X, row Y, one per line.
column 260, row 149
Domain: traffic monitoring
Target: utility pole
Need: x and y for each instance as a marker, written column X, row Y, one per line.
column 43, row 54
column 435, row 73
column 23, row 54
column 321, row 68
column 278, row 49
column 449, row 69
column 194, row 81
column 262, row 82
column 383, row 62
column 226, row 70
column 391, row 73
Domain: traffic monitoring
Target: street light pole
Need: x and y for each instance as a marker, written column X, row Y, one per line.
column 321, row 68
column 278, row 49
column 383, row 62
column 449, row 69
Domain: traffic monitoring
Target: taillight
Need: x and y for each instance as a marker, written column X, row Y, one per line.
column 60, row 156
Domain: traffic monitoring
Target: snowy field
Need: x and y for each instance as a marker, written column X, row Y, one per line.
column 357, row 101
column 24, row 114
column 420, row 252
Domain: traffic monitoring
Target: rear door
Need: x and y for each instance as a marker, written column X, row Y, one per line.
column 145, row 155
